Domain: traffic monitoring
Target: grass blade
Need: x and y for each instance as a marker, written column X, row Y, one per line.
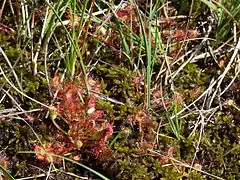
column 6, row 172
column 68, row 159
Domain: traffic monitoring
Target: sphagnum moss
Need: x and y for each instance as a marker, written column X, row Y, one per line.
column 133, row 135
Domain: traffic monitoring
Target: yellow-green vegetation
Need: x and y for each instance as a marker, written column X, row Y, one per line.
column 119, row 89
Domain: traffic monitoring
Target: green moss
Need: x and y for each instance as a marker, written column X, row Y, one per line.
column 118, row 84
column 191, row 77
column 219, row 144
column 219, row 147
column 21, row 169
column 134, row 163
column 14, row 137
column 191, row 82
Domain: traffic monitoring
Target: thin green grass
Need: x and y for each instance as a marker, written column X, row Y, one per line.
column 5, row 171
column 75, row 50
column 71, row 54
column 174, row 121
column 227, row 11
column 123, row 39
column 147, row 41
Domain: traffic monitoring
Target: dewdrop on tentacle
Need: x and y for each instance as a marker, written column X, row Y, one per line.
column 91, row 110
column 52, row 113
